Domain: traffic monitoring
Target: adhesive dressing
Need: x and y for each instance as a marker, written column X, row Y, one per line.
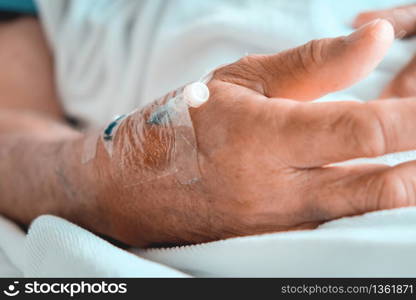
column 159, row 139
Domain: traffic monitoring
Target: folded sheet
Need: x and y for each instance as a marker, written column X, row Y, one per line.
column 379, row 244
column 54, row 247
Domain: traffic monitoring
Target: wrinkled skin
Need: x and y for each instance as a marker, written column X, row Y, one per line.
column 265, row 152
column 265, row 159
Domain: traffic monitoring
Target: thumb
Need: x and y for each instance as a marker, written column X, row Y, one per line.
column 322, row 66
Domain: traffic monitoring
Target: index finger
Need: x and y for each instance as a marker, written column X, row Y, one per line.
column 317, row 134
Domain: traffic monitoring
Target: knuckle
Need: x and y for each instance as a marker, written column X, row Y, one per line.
column 362, row 130
column 390, row 191
column 250, row 71
column 255, row 64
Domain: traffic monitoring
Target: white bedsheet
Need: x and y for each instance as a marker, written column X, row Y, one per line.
column 54, row 247
column 375, row 245
column 132, row 60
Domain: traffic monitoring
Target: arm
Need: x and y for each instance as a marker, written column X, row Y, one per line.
column 40, row 155
column 34, row 139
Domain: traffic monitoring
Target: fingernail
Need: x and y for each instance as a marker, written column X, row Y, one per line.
column 360, row 32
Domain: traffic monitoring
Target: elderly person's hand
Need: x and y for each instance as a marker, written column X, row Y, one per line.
column 266, row 161
column 403, row 19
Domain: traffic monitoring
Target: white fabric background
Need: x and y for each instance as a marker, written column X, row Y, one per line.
column 115, row 55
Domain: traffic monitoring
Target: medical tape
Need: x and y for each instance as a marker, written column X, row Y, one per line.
column 158, row 140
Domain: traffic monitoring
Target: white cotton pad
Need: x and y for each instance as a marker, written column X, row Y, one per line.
column 196, row 94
